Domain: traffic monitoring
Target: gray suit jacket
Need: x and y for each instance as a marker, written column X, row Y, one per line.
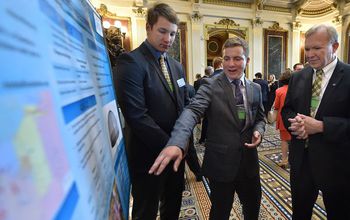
column 225, row 151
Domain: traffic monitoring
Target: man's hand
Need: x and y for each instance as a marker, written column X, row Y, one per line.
column 297, row 127
column 256, row 140
column 166, row 155
column 312, row 126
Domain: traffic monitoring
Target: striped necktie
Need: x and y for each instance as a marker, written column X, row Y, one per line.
column 165, row 72
column 316, row 90
column 238, row 92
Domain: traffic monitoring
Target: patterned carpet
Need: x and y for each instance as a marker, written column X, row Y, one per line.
column 276, row 198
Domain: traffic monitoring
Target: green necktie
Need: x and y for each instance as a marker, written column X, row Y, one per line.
column 316, row 91
column 165, row 72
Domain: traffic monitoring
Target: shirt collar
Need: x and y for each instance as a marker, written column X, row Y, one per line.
column 242, row 80
column 329, row 69
column 154, row 52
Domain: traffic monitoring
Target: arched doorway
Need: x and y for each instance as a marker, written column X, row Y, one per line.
column 217, row 34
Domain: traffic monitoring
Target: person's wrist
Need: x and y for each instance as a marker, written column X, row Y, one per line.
column 320, row 126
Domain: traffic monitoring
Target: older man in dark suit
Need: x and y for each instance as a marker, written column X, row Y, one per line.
column 151, row 92
column 236, row 123
column 317, row 112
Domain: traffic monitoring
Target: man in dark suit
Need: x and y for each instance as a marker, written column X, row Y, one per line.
column 150, row 87
column 236, row 124
column 298, row 67
column 316, row 111
column 264, row 89
column 217, row 64
column 197, row 82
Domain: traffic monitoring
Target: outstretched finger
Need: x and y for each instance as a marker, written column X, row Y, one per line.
column 162, row 166
column 156, row 165
column 177, row 163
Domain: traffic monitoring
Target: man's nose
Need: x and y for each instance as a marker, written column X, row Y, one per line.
column 166, row 37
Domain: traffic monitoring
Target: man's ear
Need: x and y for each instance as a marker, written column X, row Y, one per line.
column 148, row 27
column 248, row 60
column 335, row 46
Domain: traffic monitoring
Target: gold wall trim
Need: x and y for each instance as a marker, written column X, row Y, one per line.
column 276, row 27
column 210, row 30
column 277, row 9
column 316, row 12
column 228, row 3
column 103, row 11
column 227, row 22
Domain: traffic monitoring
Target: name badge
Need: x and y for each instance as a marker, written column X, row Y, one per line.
column 315, row 101
column 181, row 82
column 241, row 112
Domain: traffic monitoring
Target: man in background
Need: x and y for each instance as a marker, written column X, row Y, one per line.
column 208, row 71
column 151, row 92
column 217, row 64
column 297, row 67
column 316, row 111
column 197, row 82
column 264, row 90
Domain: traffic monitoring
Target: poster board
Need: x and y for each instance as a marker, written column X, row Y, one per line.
column 62, row 153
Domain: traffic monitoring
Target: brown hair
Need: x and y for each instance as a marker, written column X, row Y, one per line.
column 217, row 61
column 237, row 41
column 164, row 10
column 285, row 77
column 297, row 64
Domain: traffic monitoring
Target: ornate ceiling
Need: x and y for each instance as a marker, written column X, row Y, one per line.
column 302, row 7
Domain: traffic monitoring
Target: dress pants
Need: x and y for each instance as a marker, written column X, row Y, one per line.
column 192, row 158
column 204, row 130
column 305, row 192
column 222, row 196
column 151, row 191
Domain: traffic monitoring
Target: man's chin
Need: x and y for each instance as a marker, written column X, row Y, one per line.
column 315, row 66
column 164, row 49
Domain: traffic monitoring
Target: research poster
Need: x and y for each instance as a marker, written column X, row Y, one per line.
column 62, row 153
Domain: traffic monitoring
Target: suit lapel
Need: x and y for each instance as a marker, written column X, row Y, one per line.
column 249, row 91
column 332, row 84
column 156, row 67
column 250, row 99
column 306, row 95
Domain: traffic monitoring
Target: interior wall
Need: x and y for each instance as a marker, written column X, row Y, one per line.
column 245, row 17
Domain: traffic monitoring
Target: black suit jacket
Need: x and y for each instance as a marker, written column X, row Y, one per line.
column 329, row 152
column 147, row 103
column 197, row 84
column 264, row 88
column 224, row 152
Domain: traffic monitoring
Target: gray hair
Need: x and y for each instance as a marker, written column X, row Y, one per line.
column 330, row 30
column 208, row 70
column 237, row 41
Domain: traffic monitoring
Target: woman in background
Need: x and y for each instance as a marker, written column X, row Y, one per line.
column 279, row 102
